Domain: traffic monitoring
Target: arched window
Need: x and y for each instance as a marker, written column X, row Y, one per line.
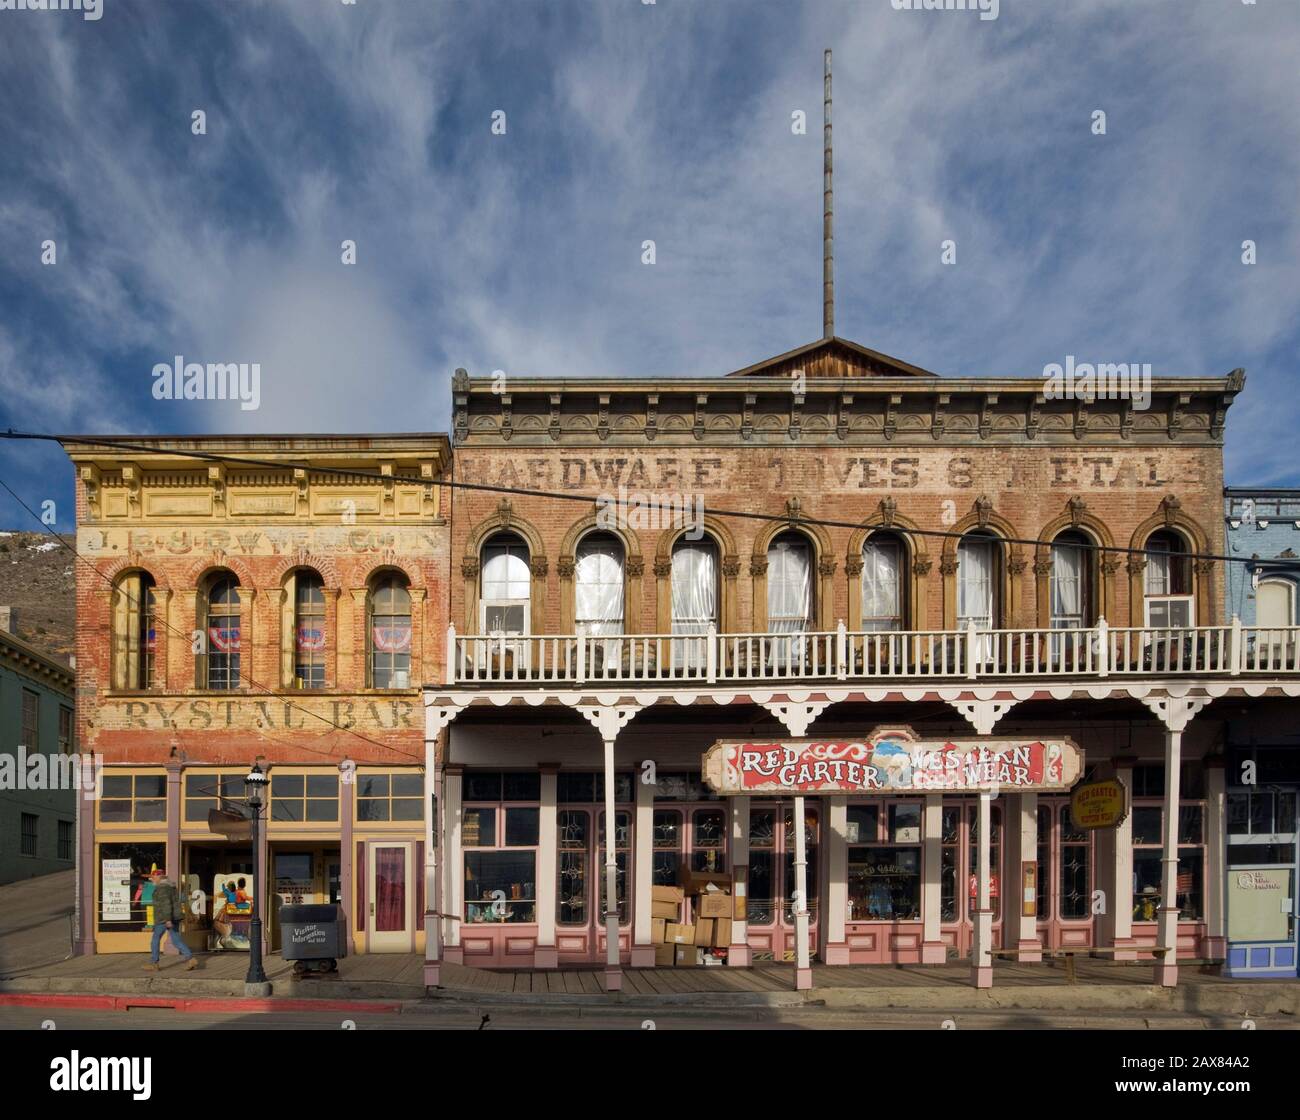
column 390, row 632
column 1073, row 598
column 309, row 638
column 598, row 584
column 883, row 561
column 134, row 631
column 218, row 662
column 978, row 572
column 1168, row 581
column 694, row 598
column 789, row 584
column 505, row 586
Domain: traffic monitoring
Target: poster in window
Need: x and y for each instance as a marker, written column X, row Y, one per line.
column 392, row 639
column 224, row 639
column 311, row 637
column 116, row 894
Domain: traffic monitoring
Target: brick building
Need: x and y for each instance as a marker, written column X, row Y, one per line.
column 880, row 547
column 247, row 598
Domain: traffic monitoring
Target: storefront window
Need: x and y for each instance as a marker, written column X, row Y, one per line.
column 682, row 787
column 500, row 843
column 863, row 824
column 761, row 909
column 305, row 797
column 622, row 848
column 667, row 847
column 390, row 797
column 573, row 838
column 501, row 886
column 708, row 839
column 124, row 901
column 133, row 799
column 206, row 790
column 885, row 884
column 1261, row 813
column 1076, row 869
column 1147, row 865
column 949, row 862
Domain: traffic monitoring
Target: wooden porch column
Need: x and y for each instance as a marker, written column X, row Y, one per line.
column 981, row 960
column 803, row 967
column 738, row 953
column 1020, row 930
column 348, row 871
column 933, row 950
column 454, row 907
column 643, row 950
column 1167, row 916
column 1216, row 808
column 613, row 971
column 545, row 953
column 835, row 946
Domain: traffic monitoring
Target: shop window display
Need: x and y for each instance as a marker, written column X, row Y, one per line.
column 124, row 902
column 884, row 871
column 1147, row 866
column 573, row 836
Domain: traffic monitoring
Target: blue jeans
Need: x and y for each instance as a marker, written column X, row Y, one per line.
column 158, row 932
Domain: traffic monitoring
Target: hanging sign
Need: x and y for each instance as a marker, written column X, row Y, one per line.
column 1099, row 804
column 893, row 760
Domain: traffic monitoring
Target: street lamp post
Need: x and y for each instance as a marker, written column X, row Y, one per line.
column 254, row 790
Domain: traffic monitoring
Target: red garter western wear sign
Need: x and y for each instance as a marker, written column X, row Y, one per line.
column 893, row 760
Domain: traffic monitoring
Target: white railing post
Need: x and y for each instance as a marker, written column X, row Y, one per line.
column 581, row 669
column 1103, row 648
column 449, row 669
column 970, row 649
column 1236, row 648
column 841, row 651
column 711, row 655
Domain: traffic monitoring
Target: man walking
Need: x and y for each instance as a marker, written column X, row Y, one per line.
column 167, row 919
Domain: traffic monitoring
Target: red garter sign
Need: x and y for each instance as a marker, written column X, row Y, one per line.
column 891, row 760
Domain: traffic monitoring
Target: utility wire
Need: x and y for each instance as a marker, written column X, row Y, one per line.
column 592, row 499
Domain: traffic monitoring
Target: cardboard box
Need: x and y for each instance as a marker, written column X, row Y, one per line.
column 668, row 910
column 688, row 956
column 677, row 933
column 721, row 933
column 704, row 931
column 695, row 881
column 675, row 895
column 714, row 904
column 665, row 956
column 658, row 930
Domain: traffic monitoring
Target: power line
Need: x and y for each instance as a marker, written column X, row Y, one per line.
column 597, row 499
column 252, row 682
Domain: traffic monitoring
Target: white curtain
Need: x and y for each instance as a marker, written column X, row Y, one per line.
column 1158, row 574
column 695, row 587
column 881, row 588
column 1067, row 585
column 789, row 587
column 975, row 574
column 598, row 589
column 506, row 587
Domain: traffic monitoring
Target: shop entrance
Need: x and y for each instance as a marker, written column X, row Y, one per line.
column 390, row 918
column 224, row 876
column 580, row 936
column 770, row 910
column 957, row 892
column 301, row 872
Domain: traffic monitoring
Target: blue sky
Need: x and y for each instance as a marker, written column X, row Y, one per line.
column 626, row 122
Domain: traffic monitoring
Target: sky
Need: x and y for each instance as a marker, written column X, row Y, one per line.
column 521, row 248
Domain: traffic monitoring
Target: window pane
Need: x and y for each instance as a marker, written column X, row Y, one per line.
column 322, row 785
column 479, row 829
column 408, row 785
column 863, row 824
column 150, row 810
column 522, row 787
column 408, row 808
column 372, row 785
column 150, row 785
column 1146, row 825
column 885, row 884
column 579, row 788
column 500, row 887
column 372, row 809
column 287, row 785
column 483, row 786
column 322, row 809
column 117, row 786
column 905, row 823
column 521, row 828
column 1189, row 824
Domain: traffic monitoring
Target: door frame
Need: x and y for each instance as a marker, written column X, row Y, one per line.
column 390, row 941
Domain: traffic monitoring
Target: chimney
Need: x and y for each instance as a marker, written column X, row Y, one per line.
column 9, row 620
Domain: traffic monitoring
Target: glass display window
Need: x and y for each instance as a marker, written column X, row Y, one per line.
column 1147, row 861
column 133, row 798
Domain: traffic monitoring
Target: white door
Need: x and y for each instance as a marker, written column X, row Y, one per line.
column 1274, row 615
column 390, row 889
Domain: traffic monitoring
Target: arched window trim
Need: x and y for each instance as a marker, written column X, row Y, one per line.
column 218, row 665
column 309, row 636
column 134, row 627
column 500, row 610
column 600, row 612
column 1072, row 582
column 1168, row 590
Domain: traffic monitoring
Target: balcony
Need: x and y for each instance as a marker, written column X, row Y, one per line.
column 841, row 655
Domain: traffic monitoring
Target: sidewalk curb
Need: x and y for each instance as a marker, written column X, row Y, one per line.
column 78, row 1002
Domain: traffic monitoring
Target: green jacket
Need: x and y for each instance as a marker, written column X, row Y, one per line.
column 166, row 903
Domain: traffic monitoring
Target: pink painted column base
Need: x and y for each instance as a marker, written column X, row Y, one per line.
column 837, row 952
column 982, row 977
column 453, row 954
column 546, row 956
column 934, row 952
column 1029, row 950
column 613, row 979
column 739, row 956
column 1167, row 973
column 643, row 956
column 1216, row 948
column 433, row 974
column 1123, row 950
column 802, row 979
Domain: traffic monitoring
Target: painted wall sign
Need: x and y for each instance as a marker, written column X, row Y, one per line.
column 1099, row 804
column 891, row 760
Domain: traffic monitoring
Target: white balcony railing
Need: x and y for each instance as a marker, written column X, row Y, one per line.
column 842, row 655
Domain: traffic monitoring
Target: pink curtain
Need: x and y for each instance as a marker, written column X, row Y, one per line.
column 390, row 889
